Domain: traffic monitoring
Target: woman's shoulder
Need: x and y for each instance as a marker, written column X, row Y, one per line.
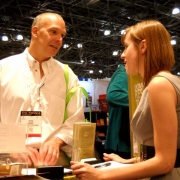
column 158, row 82
column 172, row 78
column 164, row 80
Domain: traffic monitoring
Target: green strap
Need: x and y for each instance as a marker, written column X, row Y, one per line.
column 71, row 93
column 66, row 76
column 69, row 96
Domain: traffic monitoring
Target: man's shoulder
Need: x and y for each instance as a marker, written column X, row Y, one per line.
column 11, row 59
column 62, row 65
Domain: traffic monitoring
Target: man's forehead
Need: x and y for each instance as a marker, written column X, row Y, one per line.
column 54, row 21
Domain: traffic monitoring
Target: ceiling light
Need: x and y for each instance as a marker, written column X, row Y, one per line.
column 90, row 71
column 79, row 45
column 115, row 53
column 107, row 32
column 65, row 46
column 19, row 37
column 175, row 11
column 173, row 42
column 5, row 38
column 123, row 31
column 100, row 71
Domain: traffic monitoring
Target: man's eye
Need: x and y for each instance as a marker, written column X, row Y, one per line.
column 53, row 31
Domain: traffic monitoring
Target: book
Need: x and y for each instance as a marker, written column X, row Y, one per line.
column 103, row 165
column 98, row 123
column 103, row 105
column 83, row 140
column 95, row 108
column 102, row 122
column 102, row 96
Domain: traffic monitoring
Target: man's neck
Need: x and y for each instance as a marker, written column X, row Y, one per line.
column 41, row 70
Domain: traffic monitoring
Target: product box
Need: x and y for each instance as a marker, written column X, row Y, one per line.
column 103, row 105
column 102, row 96
column 83, row 140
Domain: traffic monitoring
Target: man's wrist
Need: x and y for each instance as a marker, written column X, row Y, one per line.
column 59, row 141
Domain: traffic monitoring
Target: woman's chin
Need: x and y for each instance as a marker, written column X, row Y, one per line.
column 131, row 73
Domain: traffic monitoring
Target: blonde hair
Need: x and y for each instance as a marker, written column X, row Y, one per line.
column 159, row 54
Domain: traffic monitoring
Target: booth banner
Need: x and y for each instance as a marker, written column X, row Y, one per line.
column 135, row 88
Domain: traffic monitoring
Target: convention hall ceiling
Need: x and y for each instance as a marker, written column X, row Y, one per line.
column 86, row 22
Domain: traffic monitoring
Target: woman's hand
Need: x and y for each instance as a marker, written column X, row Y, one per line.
column 115, row 157
column 85, row 171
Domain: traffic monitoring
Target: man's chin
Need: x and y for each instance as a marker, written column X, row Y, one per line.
column 52, row 54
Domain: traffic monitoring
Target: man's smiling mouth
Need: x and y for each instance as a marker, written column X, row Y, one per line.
column 54, row 47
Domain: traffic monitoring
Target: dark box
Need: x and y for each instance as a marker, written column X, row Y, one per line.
column 51, row 172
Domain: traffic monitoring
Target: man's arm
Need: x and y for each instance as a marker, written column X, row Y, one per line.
column 62, row 138
column 75, row 113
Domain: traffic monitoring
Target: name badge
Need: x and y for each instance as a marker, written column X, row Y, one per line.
column 33, row 120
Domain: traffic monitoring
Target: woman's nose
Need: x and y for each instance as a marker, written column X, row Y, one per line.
column 122, row 55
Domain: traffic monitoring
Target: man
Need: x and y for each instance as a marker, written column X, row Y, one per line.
column 34, row 82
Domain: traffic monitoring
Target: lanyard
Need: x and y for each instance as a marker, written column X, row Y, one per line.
column 36, row 97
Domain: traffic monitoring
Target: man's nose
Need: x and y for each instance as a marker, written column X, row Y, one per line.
column 59, row 39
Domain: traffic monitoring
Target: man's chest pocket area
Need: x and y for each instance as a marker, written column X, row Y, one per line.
column 56, row 110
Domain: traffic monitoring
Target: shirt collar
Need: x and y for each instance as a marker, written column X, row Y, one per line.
column 31, row 60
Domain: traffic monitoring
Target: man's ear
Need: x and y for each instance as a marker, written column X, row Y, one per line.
column 34, row 31
column 143, row 46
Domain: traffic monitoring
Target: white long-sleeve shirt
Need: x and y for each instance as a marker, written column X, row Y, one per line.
column 20, row 90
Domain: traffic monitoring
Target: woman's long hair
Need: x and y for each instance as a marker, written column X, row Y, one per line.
column 159, row 54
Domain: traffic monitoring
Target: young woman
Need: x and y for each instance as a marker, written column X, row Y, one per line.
column 156, row 121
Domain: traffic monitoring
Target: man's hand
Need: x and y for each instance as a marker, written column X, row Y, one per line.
column 33, row 156
column 49, row 151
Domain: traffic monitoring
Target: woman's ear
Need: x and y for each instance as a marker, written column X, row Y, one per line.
column 143, row 46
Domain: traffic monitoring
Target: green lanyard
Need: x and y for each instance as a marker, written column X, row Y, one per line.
column 70, row 93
